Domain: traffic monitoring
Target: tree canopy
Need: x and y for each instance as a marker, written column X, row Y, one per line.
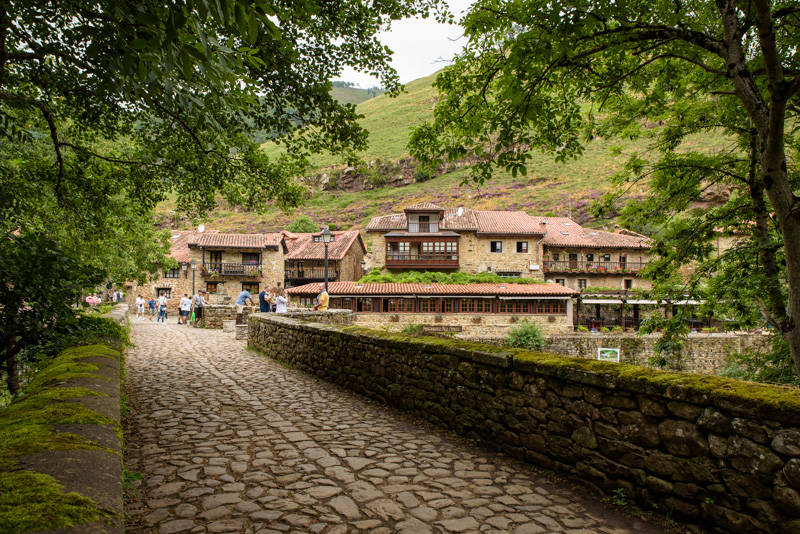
column 303, row 225
column 108, row 108
column 551, row 75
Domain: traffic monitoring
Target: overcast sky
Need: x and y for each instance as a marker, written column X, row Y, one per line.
column 418, row 45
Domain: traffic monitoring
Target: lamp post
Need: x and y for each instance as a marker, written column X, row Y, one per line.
column 327, row 237
column 363, row 267
column 194, row 268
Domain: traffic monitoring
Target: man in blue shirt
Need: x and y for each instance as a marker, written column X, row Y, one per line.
column 263, row 302
column 244, row 295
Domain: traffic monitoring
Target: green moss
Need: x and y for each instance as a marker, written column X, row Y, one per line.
column 32, row 501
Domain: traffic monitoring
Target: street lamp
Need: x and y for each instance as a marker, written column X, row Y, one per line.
column 194, row 268
column 327, row 237
column 185, row 267
column 363, row 266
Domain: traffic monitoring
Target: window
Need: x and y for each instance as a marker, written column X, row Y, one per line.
column 514, row 306
column 628, row 284
column 582, row 283
column 211, row 287
column 252, row 258
column 427, row 305
column 560, row 281
column 400, row 305
column 448, row 305
column 496, row 246
column 551, row 307
column 397, row 250
column 522, row 247
column 166, row 290
column 215, row 256
column 590, row 257
column 172, row 273
column 476, row 306
column 508, row 274
column 252, row 287
column 306, row 302
column 364, row 305
column 555, row 257
column 605, row 257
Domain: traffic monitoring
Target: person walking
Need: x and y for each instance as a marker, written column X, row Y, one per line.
column 280, row 302
column 140, row 307
column 322, row 301
column 151, row 304
column 243, row 296
column 197, row 306
column 162, row 309
column 185, row 307
column 263, row 302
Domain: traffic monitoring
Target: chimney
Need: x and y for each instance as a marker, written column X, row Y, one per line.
column 543, row 226
column 616, row 228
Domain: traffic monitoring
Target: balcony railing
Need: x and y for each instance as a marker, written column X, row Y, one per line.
column 311, row 274
column 423, row 227
column 231, row 269
column 610, row 267
column 394, row 259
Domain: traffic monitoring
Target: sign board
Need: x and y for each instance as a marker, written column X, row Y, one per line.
column 608, row 355
column 441, row 328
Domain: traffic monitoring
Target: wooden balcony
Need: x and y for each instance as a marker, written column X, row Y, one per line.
column 433, row 261
column 251, row 270
column 594, row 267
column 423, row 227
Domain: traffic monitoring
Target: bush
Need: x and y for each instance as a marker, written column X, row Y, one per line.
column 422, row 176
column 582, row 328
column 604, row 330
column 526, row 336
column 617, row 329
column 412, row 330
column 303, row 225
column 774, row 367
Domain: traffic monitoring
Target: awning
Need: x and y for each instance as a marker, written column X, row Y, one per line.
column 536, row 298
column 601, row 301
column 634, row 301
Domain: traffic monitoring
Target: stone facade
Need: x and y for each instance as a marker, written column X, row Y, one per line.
column 175, row 287
column 702, row 353
column 271, row 270
column 716, row 452
column 214, row 314
column 470, row 326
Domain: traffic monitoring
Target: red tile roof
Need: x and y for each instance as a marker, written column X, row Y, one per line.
column 235, row 240
column 354, row 288
column 564, row 232
column 179, row 248
column 304, row 248
column 507, row 222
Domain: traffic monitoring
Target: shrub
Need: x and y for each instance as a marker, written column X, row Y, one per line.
column 775, row 366
column 617, row 329
column 422, row 176
column 582, row 328
column 412, row 330
column 526, row 335
column 303, row 224
column 604, row 330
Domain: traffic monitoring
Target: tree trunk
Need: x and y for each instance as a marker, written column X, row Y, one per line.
column 12, row 368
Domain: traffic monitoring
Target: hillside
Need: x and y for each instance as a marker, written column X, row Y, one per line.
column 354, row 95
column 550, row 188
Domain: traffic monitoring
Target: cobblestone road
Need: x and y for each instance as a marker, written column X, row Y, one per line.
column 229, row 441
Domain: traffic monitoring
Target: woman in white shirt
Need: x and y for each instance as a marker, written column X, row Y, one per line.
column 281, row 302
column 185, row 308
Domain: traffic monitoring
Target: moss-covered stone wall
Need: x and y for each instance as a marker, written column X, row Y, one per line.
column 715, row 452
column 61, row 445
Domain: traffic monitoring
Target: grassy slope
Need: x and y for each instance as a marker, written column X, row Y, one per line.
column 350, row 95
column 550, row 187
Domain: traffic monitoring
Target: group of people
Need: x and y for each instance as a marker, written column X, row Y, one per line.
column 188, row 308
column 273, row 299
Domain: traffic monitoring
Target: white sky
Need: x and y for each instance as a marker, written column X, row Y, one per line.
column 419, row 45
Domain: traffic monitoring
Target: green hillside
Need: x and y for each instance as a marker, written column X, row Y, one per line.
column 550, row 188
column 353, row 95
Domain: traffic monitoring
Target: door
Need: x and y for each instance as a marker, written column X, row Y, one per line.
column 425, row 223
column 215, row 260
column 573, row 261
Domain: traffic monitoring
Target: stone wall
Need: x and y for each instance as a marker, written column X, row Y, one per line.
column 716, row 452
column 214, row 314
column 702, row 353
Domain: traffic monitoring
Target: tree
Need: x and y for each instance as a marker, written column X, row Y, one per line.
column 303, row 225
column 107, row 108
column 551, row 75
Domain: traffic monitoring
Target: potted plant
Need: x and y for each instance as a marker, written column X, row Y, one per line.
column 477, row 319
column 437, row 318
column 394, row 318
column 551, row 318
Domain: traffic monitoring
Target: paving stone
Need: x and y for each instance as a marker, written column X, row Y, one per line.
column 230, row 441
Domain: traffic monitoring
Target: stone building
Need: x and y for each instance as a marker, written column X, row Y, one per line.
column 510, row 243
column 217, row 263
column 427, row 237
column 305, row 260
column 469, row 310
